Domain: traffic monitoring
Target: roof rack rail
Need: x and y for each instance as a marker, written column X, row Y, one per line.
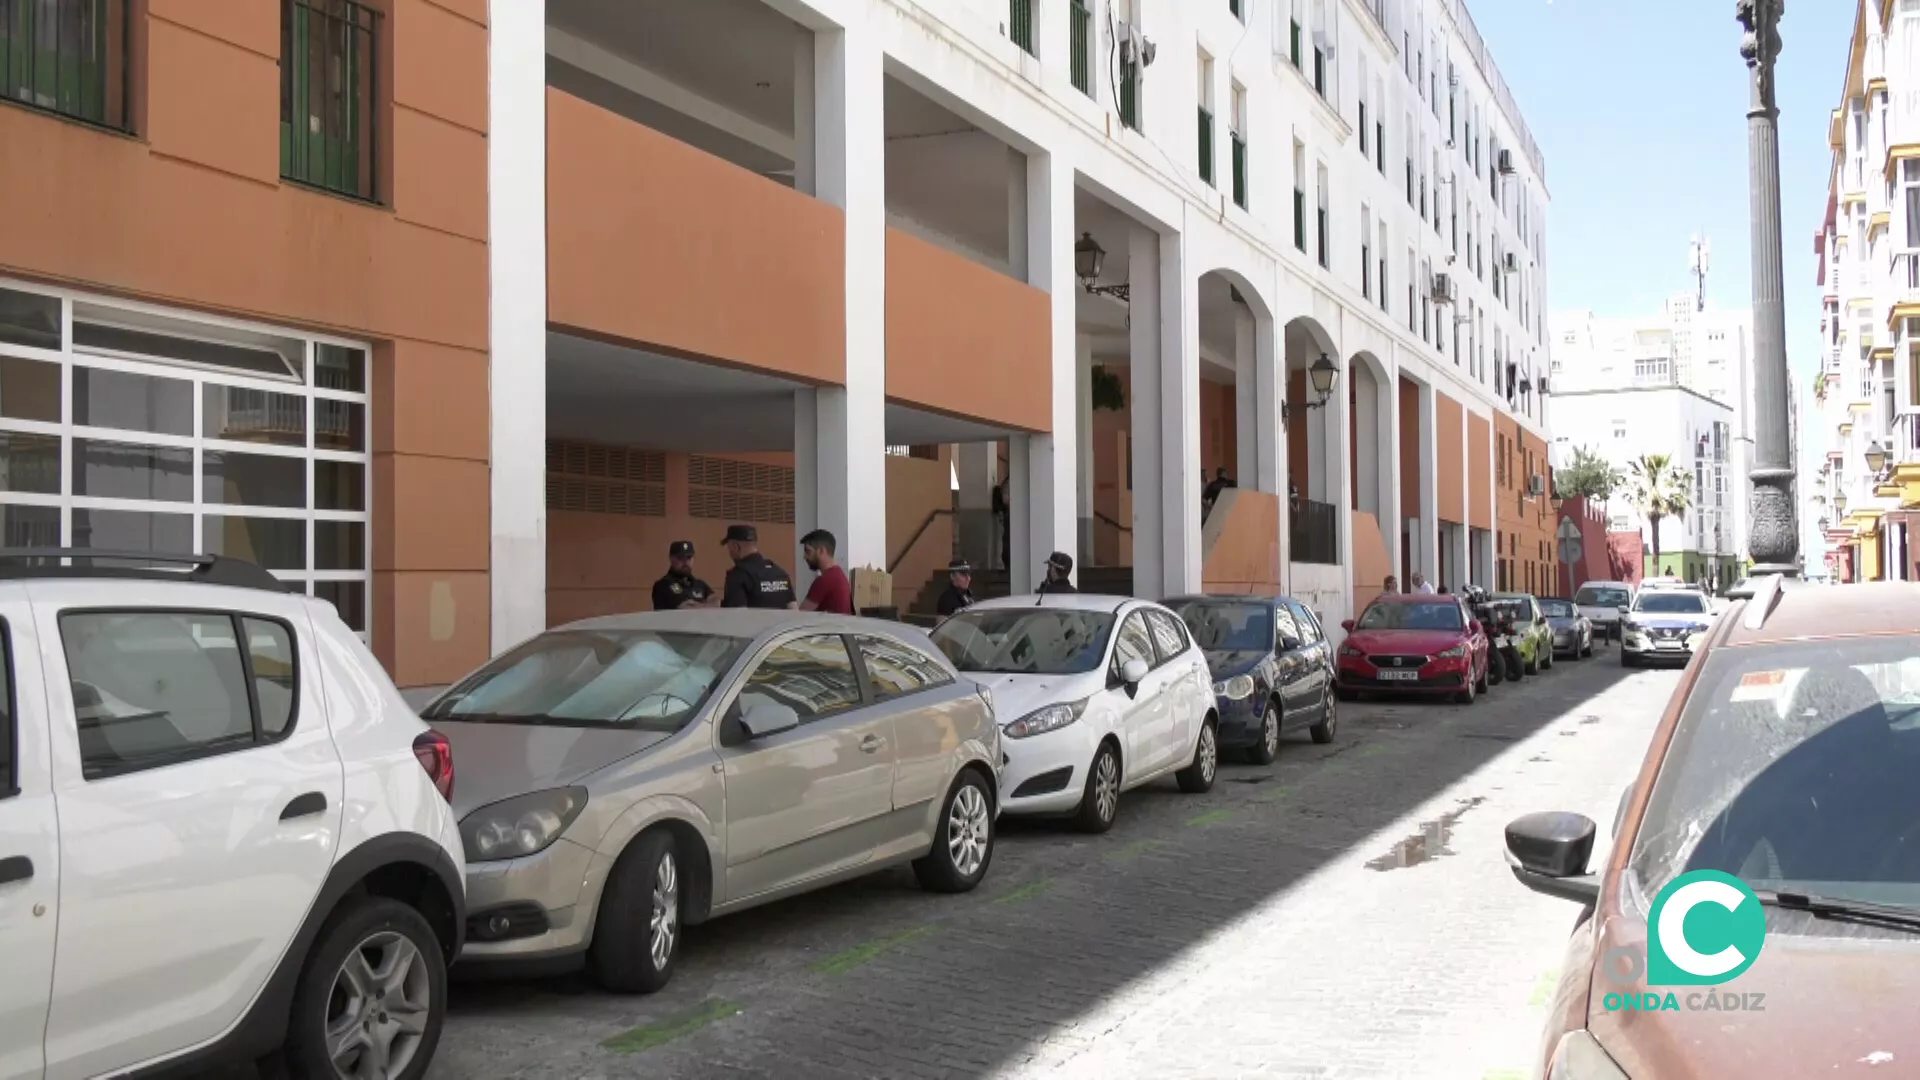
column 47, row 562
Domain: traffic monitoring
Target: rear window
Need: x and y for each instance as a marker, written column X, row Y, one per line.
column 1413, row 616
column 1232, row 625
column 1556, row 609
column 1027, row 641
column 1602, row 596
column 645, row 679
column 1671, row 603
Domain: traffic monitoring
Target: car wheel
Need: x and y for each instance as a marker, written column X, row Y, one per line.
column 1268, row 747
column 372, row 997
column 963, row 844
column 1100, row 803
column 634, row 953
column 1531, row 665
column 1465, row 694
column 1197, row 778
column 1322, row 732
column 1486, row 676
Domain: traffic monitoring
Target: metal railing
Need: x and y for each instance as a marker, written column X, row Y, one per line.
column 1313, row 533
column 1906, row 270
column 1020, row 24
column 1080, row 35
column 67, row 57
column 328, row 95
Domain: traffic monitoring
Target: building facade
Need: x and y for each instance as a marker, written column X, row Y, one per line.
column 457, row 312
column 1866, row 491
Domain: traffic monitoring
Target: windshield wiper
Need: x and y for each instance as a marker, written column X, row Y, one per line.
column 1861, row 911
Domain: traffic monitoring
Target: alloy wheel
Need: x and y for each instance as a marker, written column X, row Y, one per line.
column 1208, row 754
column 665, row 929
column 1270, row 733
column 1106, row 785
column 377, row 1012
column 968, row 829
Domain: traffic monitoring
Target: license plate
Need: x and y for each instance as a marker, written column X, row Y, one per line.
column 1400, row 676
column 1668, row 645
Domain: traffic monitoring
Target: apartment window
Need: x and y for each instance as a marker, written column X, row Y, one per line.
column 1299, row 196
column 1380, row 126
column 1453, row 116
column 1130, row 92
column 1619, row 429
column 1240, row 146
column 1319, row 71
column 1294, row 53
column 1366, row 252
column 1020, row 25
column 1234, row 6
column 1080, row 42
column 1426, row 302
column 1413, row 304
column 1453, row 214
column 1204, row 95
column 181, row 436
column 327, row 95
column 68, row 57
column 1323, row 224
column 1366, row 133
column 1381, row 251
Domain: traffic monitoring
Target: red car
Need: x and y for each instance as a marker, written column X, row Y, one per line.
column 1413, row 643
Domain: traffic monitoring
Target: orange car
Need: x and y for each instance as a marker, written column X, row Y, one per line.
column 1759, row 915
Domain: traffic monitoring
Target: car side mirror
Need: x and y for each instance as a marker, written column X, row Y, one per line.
column 768, row 718
column 1623, row 609
column 1541, row 621
column 1347, row 625
column 1548, row 853
column 1133, row 672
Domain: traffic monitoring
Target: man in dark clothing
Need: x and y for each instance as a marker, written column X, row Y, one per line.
column 959, row 592
column 1003, row 522
column 1059, row 571
column 1211, row 494
column 680, row 589
column 831, row 591
column 755, row 581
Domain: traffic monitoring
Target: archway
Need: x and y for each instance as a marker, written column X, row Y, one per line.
column 1319, row 491
column 1373, row 469
column 1240, row 432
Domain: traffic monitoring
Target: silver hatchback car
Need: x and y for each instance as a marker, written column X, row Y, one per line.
column 622, row 777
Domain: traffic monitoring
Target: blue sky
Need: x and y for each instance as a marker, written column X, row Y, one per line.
column 1639, row 107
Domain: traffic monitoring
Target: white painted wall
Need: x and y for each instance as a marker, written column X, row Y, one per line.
column 1625, row 424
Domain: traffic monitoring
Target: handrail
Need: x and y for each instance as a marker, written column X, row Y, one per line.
column 1102, row 517
column 917, row 535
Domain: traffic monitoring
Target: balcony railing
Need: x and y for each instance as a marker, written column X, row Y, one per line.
column 1906, row 270
column 67, row 57
column 328, row 95
column 1020, row 24
column 1239, row 171
column 1313, row 533
column 1080, row 38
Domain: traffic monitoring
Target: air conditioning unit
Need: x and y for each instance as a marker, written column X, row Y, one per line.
column 1506, row 163
column 1442, row 292
column 1536, row 485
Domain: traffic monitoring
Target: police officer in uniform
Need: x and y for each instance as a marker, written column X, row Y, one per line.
column 755, row 581
column 680, row 589
column 1059, row 571
column 959, row 592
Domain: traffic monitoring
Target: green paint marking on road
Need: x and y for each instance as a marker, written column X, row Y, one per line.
column 1135, row 850
column 1025, row 892
column 1211, row 817
column 1276, row 795
column 1371, row 750
column 864, row 954
column 661, row 1032
column 1544, row 987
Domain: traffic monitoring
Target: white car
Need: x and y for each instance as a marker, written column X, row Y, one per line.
column 1665, row 626
column 1094, row 694
column 223, row 834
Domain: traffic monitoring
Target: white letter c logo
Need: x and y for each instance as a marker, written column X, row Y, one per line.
column 1673, row 933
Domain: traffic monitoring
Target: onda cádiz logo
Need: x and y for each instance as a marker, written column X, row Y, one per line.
column 1705, row 928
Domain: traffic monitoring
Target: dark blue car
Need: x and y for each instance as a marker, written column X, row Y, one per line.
column 1272, row 669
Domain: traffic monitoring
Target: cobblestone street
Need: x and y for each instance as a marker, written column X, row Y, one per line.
column 1344, row 912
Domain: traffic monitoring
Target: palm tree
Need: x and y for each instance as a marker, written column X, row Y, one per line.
column 1661, row 490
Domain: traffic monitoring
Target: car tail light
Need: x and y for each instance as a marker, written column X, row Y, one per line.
column 435, row 755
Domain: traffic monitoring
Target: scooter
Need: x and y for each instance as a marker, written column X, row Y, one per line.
column 1506, row 644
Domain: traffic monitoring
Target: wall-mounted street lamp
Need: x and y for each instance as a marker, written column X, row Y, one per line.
column 1322, row 375
column 1088, row 259
column 1876, row 456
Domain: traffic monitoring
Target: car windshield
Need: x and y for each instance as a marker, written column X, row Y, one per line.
column 1671, row 603
column 1227, row 625
column 646, row 679
column 1602, row 596
column 1025, row 641
column 1792, row 769
column 1411, row 616
column 1557, row 609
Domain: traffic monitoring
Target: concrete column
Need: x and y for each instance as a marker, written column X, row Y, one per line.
column 804, row 133
column 1050, row 504
column 1426, row 542
column 847, row 455
column 1085, row 481
column 1392, row 508
column 1339, row 442
column 1323, row 472
column 1181, row 554
column 1150, row 496
column 1270, row 395
column 1367, row 439
column 517, row 321
column 1246, row 395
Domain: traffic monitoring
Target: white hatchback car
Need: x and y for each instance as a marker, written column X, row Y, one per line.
column 1095, row 695
column 223, row 834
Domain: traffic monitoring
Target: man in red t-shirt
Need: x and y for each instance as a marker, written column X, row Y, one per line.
column 831, row 591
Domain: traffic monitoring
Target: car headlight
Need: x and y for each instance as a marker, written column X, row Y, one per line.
column 1454, row 653
column 1236, row 688
column 520, row 826
column 1349, row 650
column 1580, row 1057
column 1046, row 718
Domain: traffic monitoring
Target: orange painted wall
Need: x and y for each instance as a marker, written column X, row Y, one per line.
column 1526, row 523
column 1245, row 556
column 948, row 315
column 1411, row 445
column 1479, row 471
column 1371, row 563
column 1451, row 485
column 190, row 211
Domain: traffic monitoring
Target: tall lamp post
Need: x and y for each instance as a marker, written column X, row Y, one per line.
column 1774, row 540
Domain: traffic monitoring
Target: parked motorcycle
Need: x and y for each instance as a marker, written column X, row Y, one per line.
column 1490, row 617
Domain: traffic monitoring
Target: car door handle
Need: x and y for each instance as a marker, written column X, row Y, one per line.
column 17, row 868
column 305, row 806
column 872, row 744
